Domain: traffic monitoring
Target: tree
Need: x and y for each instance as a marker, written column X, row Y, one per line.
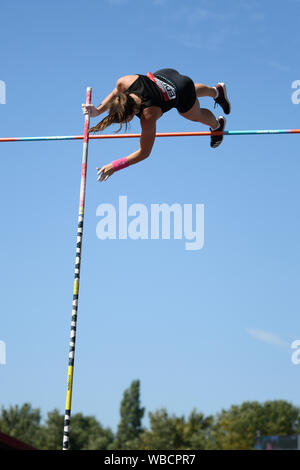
column 197, row 429
column 175, row 433
column 130, row 426
column 52, row 431
column 22, row 423
column 86, row 433
column 237, row 427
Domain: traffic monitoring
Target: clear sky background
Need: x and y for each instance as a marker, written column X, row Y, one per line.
column 201, row 329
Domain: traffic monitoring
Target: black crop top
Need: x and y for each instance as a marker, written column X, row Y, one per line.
column 153, row 92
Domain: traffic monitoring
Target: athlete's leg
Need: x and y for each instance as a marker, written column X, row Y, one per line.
column 202, row 115
column 218, row 93
column 204, row 90
column 206, row 117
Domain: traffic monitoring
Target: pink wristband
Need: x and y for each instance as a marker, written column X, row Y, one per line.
column 120, row 164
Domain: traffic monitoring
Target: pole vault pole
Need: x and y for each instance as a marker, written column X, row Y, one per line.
column 66, row 437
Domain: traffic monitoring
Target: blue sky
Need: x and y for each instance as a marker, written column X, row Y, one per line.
column 201, row 329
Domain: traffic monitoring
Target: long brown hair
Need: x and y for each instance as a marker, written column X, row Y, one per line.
column 120, row 109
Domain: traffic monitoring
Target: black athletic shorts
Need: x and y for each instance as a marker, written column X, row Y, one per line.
column 184, row 85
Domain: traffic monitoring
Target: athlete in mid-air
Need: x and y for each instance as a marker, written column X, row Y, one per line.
column 149, row 97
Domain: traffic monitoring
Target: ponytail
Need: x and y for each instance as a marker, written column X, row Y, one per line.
column 120, row 109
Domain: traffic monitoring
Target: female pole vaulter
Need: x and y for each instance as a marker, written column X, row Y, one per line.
column 149, row 97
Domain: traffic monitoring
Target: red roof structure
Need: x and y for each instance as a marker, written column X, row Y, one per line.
column 11, row 443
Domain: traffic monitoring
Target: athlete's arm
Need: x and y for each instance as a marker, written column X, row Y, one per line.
column 148, row 125
column 93, row 111
column 122, row 84
column 147, row 139
column 104, row 105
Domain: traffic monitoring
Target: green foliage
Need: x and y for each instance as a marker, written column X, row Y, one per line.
column 130, row 426
column 52, row 431
column 22, row 423
column 25, row 424
column 175, row 433
column 235, row 428
column 85, row 433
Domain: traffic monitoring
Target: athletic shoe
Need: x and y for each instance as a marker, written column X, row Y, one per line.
column 216, row 140
column 222, row 98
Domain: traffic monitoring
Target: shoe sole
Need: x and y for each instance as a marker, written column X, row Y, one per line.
column 225, row 96
column 219, row 143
